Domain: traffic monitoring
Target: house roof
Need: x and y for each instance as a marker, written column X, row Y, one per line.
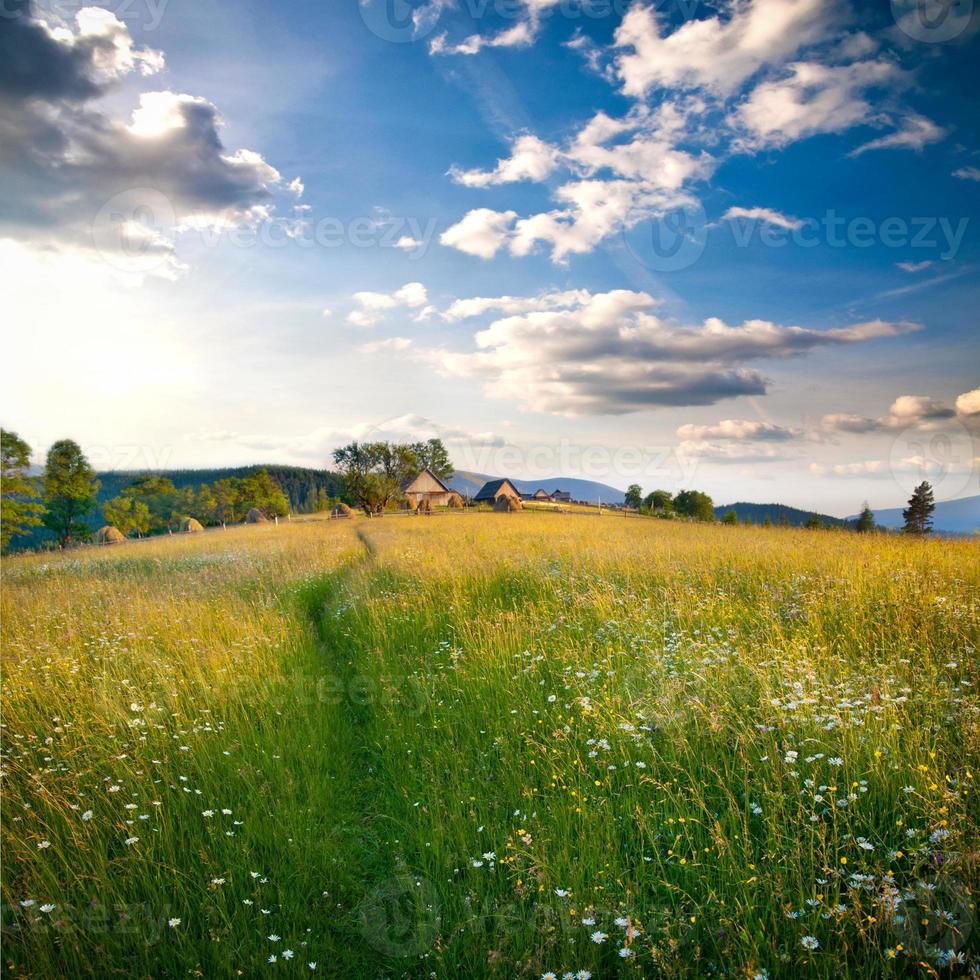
column 408, row 483
column 489, row 490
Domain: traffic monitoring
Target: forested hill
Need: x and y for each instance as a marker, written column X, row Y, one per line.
column 777, row 513
column 299, row 483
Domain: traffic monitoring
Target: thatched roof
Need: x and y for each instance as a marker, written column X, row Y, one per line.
column 255, row 516
column 192, row 525
column 455, row 500
column 110, row 535
column 506, row 505
column 341, row 510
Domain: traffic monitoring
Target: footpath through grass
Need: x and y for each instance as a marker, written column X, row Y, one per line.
column 493, row 745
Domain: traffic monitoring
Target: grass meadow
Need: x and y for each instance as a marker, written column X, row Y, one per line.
column 492, row 745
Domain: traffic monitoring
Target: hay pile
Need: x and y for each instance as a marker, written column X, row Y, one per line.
column 255, row 516
column 507, row 505
column 455, row 500
column 192, row 526
column 424, row 507
column 341, row 510
column 110, row 535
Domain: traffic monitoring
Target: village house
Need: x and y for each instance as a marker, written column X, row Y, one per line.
column 562, row 496
column 538, row 494
column 492, row 491
column 427, row 486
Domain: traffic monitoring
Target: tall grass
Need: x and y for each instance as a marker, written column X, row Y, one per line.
column 493, row 745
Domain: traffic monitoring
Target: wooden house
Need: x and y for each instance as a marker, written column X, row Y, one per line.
column 426, row 486
column 492, row 491
column 561, row 496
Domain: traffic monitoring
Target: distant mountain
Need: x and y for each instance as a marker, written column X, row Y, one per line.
column 952, row 516
column 777, row 513
column 468, row 484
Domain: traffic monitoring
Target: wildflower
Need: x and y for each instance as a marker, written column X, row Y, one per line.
column 589, row 921
column 27, row 903
column 173, row 923
column 226, row 812
column 621, row 922
column 287, row 954
column 836, row 761
column 598, row 937
column 312, row 965
column 87, row 815
column 548, row 976
column 217, row 881
column 809, row 942
column 583, row 975
column 42, row 844
column 489, row 856
column 130, row 841
column 273, row 958
column 561, row 892
column 625, row 953
column 790, row 757
column 274, row 938
column 48, row 907
column 207, row 813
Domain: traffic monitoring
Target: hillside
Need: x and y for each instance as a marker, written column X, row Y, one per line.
column 468, row 483
column 777, row 513
column 960, row 516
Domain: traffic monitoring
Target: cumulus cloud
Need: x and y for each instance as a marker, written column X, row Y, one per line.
column 740, row 430
column 372, row 307
column 811, row 98
column 621, row 171
column 462, row 309
column 967, row 173
column 612, row 355
column 968, row 404
column 77, row 177
column 715, row 53
column 519, row 35
column 917, row 411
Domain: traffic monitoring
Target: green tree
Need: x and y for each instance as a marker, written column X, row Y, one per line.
column 374, row 472
column 814, row 523
column 659, row 501
column 70, row 487
column 228, row 501
column 731, row 517
column 433, row 455
column 634, row 496
column 695, row 504
column 19, row 508
column 918, row 514
column 161, row 498
column 261, row 490
column 128, row 515
column 866, row 520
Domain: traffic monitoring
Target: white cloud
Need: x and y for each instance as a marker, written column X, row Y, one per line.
column 371, row 306
column 611, row 355
column 767, row 215
column 392, row 343
column 715, row 53
column 906, row 411
column 967, row 173
column 480, row 232
column 968, row 404
column 530, row 159
column 812, row 98
column 522, row 34
column 462, row 309
column 915, row 266
column 914, row 133
column 740, row 430
column 408, row 244
column 326, row 312
column 728, row 452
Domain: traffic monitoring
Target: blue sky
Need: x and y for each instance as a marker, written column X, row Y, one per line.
column 731, row 246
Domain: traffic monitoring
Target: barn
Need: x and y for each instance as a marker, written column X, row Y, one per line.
column 562, row 496
column 495, row 489
column 426, row 486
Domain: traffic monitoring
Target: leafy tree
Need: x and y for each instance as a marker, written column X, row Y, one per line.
column 731, row 517
column 70, row 487
column 659, row 500
column 814, row 523
column 866, row 520
column 634, row 496
column 19, row 509
column 433, row 455
column 261, row 491
column 161, row 498
column 918, row 514
column 128, row 515
column 227, row 502
column 695, row 504
column 374, row 472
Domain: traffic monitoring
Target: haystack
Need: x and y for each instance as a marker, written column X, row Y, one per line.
column 424, row 507
column 455, row 500
column 507, row 505
column 341, row 510
column 110, row 535
column 255, row 516
column 407, row 504
column 192, row 526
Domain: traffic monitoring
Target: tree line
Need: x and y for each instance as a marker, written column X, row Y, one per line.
column 65, row 496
